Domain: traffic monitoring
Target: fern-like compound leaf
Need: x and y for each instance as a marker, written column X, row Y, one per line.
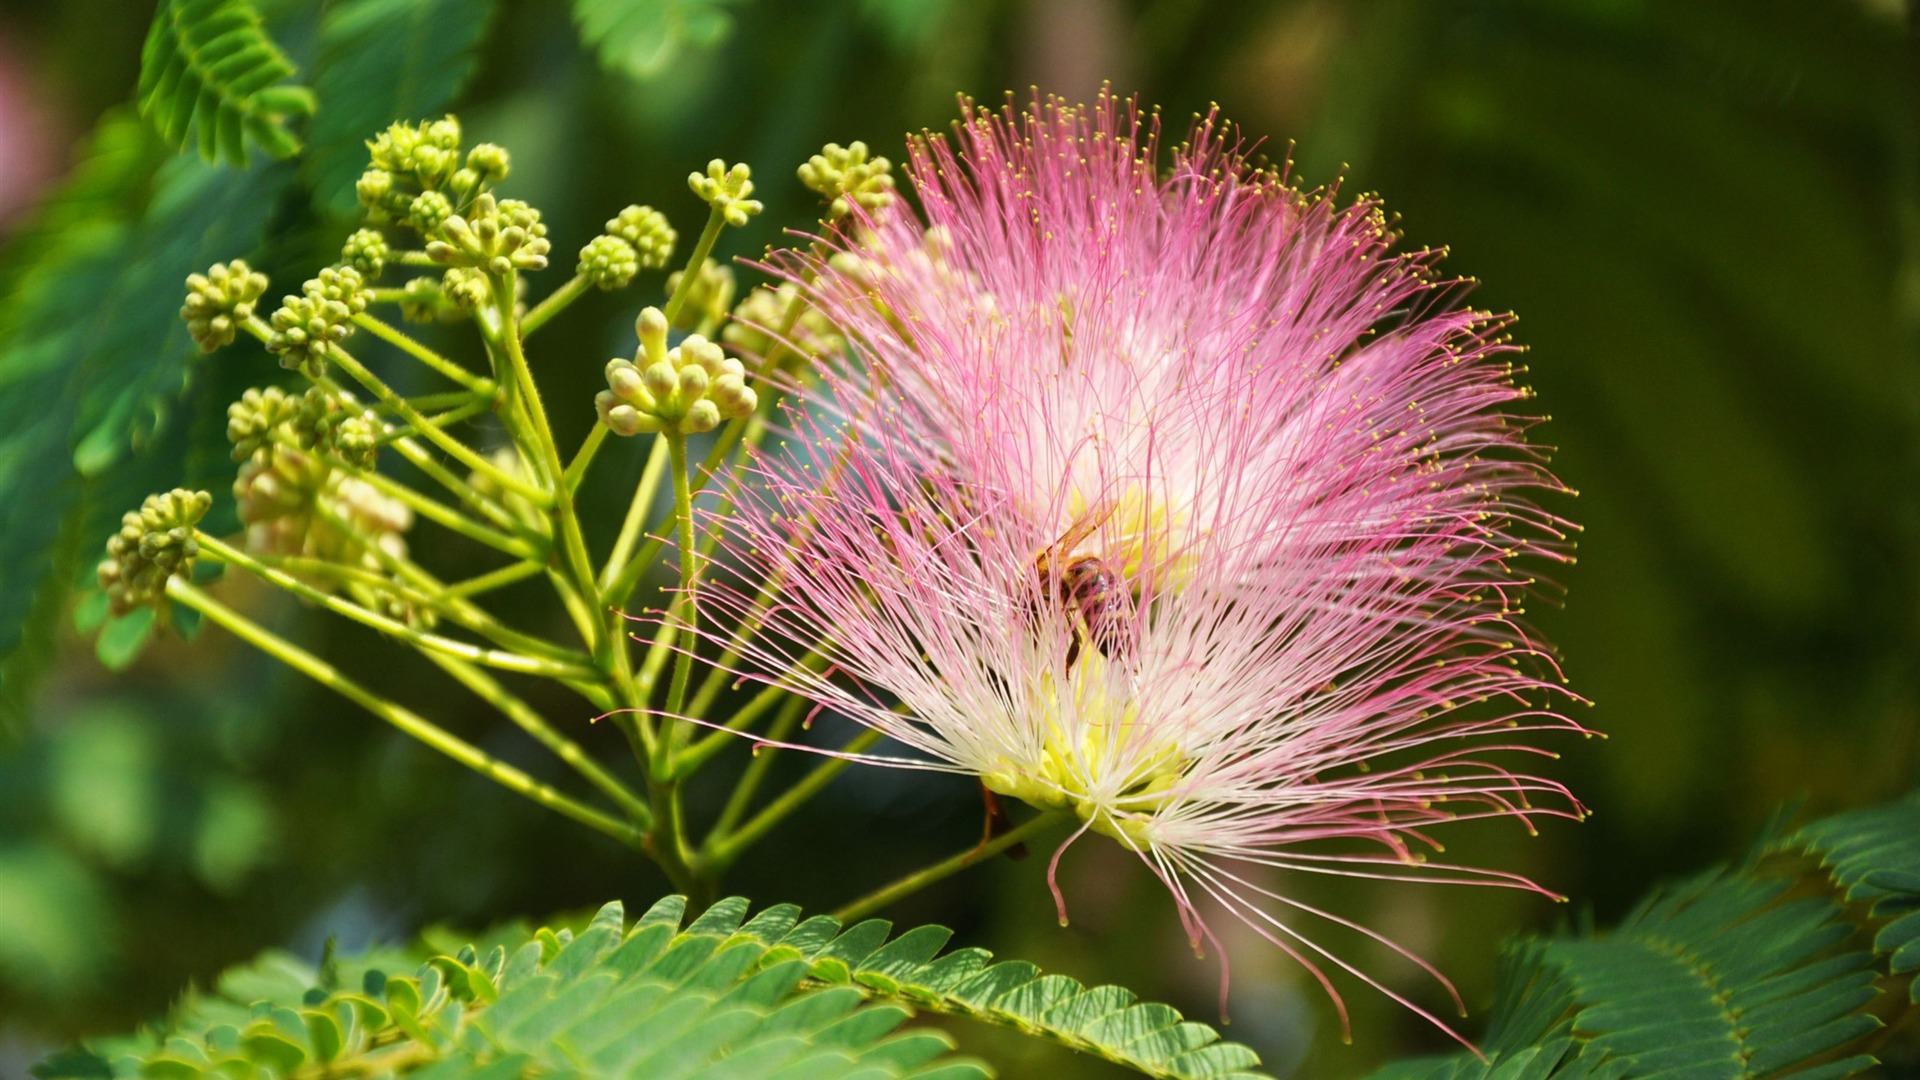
column 640, row 38
column 723, row 997
column 1786, row 965
column 210, row 75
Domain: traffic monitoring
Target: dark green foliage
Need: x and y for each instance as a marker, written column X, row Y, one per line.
column 366, row 47
column 210, row 74
column 1776, row 967
column 642, row 37
column 775, row 996
column 81, row 390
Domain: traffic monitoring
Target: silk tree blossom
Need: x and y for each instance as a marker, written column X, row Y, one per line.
column 1178, row 502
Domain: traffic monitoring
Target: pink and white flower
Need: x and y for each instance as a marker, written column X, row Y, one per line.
column 1175, row 500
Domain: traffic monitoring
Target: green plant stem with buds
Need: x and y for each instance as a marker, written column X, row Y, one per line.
column 406, row 720
column 478, row 384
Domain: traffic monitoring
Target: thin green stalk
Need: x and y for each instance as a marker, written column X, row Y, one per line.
column 723, row 850
column 404, row 719
column 946, row 868
column 386, row 332
column 687, row 619
column 741, row 800
column 554, row 304
column 419, row 458
column 446, row 419
column 583, row 457
column 618, row 576
column 530, row 721
column 427, row 402
column 449, row 445
column 703, row 248
column 413, row 258
column 495, row 579
column 505, row 661
column 573, row 543
column 696, row 754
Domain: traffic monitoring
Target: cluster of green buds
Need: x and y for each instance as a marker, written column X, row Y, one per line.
column 684, row 390
column 647, row 232
column 219, row 301
column 319, row 421
column 726, row 190
column 494, row 236
column 154, row 543
column 366, row 251
column 847, row 176
column 417, row 175
column 305, row 327
column 766, row 310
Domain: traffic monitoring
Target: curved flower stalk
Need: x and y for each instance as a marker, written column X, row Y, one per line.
column 1181, row 504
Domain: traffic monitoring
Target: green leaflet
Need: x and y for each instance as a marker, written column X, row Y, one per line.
column 381, row 61
column 640, row 38
column 1758, row 970
column 209, row 74
column 722, row 998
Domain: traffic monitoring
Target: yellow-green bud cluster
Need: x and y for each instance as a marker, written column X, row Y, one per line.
column 366, row 251
column 849, row 175
column 329, row 424
column 707, row 299
column 423, row 299
column 648, row 231
column 763, row 313
column 154, row 543
column 415, row 162
column 219, row 300
column 726, row 190
column 609, row 262
column 252, row 420
column 305, row 327
column 685, row 390
column 292, row 503
column 497, row 237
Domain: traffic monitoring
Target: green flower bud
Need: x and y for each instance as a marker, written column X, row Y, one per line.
column 763, row 313
column 154, row 543
column 429, row 212
column 687, row 389
column 726, row 190
column 326, row 423
column 219, row 300
column 708, row 301
column 465, row 287
column 846, row 175
column 305, row 327
column 647, row 230
column 490, row 161
column 609, row 262
column 444, row 134
column 251, row 420
column 495, row 236
column 366, row 251
column 375, row 191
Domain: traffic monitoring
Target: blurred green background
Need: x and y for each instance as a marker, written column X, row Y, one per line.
column 1707, row 215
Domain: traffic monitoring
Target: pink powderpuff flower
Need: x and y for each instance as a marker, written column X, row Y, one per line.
column 1175, row 501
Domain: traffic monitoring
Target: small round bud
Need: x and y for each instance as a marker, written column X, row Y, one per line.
column 430, row 211
column 465, row 287
column 444, row 133
column 647, row 230
column 623, row 379
column 366, row 251
column 374, row 188
column 306, row 327
column 660, row 380
column 154, row 543
column 701, row 416
column 726, row 190
column 251, row 420
column 490, row 161
column 609, row 262
column 219, row 300
column 693, row 382
column 848, row 175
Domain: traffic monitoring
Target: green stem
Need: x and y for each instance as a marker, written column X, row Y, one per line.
column 684, row 614
column 620, row 575
column 404, row 719
column 412, row 258
column 711, row 743
column 725, row 849
column 505, row 661
column 530, row 721
column 583, row 457
column 554, row 304
column 451, row 446
column 404, row 342
column 715, row 222
column 946, row 868
column 494, row 579
column 431, row 509
column 741, row 800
